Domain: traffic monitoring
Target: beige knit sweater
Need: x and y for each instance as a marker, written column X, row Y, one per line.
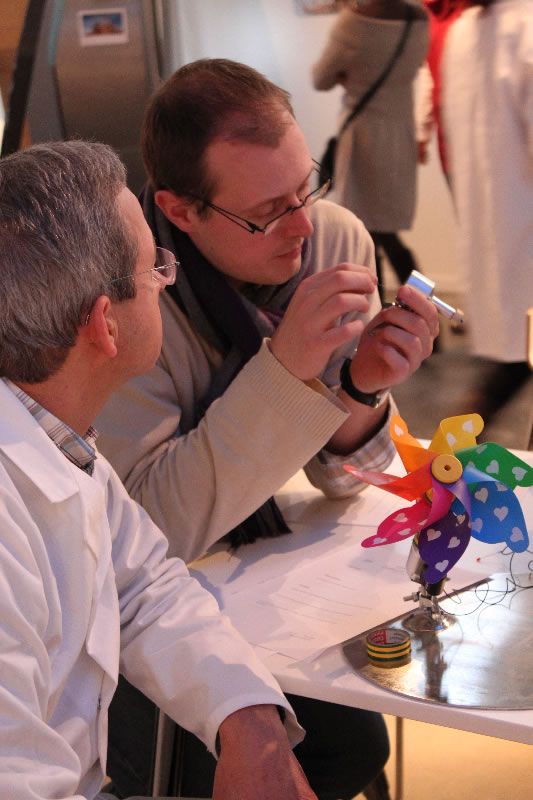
column 197, row 483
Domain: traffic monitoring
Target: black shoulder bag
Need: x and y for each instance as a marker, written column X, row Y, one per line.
column 327, row 162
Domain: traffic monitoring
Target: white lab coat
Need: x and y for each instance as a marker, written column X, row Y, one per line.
column 488, row 118
column 83, row 582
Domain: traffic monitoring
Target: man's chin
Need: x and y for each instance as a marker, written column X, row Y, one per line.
column 289, row 264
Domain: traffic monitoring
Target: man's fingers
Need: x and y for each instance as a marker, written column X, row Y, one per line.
column 315, row 322
column 410, row 347
column 338, row 306
column 340, row 334
column 339, row 279
column 420, row 305
column 408, row 321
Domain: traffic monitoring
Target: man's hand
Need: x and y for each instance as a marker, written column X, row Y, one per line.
column 395, row 342
column 310, row 330
column 256, row 761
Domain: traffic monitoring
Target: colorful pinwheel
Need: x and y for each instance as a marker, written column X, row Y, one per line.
column 461, row 489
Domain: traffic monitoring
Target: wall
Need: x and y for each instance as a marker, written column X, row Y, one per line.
column 278, row 39
column 11, row 20
column 12, row 13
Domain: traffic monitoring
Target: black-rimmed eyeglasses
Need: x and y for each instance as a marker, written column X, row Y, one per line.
column 272, row 224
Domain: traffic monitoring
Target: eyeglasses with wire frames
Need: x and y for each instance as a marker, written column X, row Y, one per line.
column 164, row 269
column 272, row 224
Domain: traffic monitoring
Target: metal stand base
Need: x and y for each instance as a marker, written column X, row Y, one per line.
column 483, row 660
column 423, row 619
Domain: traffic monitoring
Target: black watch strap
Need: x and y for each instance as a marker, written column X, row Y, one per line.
column 372, row 399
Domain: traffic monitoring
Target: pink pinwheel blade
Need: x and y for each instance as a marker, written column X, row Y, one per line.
column 400, row 525
column 409, row 521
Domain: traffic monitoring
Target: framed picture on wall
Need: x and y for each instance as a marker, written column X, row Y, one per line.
column 316, row 6
column 103, row 26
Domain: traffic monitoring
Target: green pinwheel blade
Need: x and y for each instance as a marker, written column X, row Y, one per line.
column 498, row 463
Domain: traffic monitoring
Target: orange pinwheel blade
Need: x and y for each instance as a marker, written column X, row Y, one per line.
column 411, row 452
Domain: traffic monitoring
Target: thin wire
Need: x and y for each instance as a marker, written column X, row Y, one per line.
column 512, row 584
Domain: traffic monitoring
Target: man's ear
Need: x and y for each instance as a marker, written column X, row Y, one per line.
column 101, row 327
column 179, row 210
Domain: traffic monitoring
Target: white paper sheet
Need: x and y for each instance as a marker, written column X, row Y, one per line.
column 366, row 508
column 300, row 502
column 314, row 607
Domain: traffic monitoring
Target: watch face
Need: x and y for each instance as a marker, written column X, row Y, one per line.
column 374, row 400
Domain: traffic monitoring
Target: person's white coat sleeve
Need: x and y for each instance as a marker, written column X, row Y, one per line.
column 176, row 647
column 36, row 761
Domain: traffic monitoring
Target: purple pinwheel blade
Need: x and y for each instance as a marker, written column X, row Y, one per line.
column 442, row 544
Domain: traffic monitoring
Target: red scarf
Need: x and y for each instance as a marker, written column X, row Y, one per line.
column 442, row 13
column 441, row 9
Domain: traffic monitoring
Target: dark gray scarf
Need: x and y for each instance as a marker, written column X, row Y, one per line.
column 233, row 322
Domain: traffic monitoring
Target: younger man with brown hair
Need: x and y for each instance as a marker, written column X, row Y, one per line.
column 276, row 289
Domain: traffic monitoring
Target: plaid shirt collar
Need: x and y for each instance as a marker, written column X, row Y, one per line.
column 80, row 450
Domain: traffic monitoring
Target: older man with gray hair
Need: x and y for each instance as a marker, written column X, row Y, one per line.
column 86, row 589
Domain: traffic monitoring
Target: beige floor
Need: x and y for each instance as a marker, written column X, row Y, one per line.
column 446, row 764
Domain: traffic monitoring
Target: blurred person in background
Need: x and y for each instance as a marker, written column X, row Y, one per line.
column 376, row 159
column 487, row 98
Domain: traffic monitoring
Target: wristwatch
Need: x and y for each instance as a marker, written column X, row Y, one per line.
column 372, row 399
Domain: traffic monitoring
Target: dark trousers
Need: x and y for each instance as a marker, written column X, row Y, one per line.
column 344, row 749
column 401, row 258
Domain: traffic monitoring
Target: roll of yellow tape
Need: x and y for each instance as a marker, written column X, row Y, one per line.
column 388, row 647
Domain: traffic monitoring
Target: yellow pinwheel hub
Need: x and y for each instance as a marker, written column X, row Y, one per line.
column 446, row 468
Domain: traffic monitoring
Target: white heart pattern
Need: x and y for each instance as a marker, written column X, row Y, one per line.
column 482, row 494
column 481, row 448
column 398, row 431
column 516, row 535
column 405, row 532
column 501, row 512
column 518, row 472
column 461, row 518
column 501, row 487
column 378, row 540
column 454, row 542
column 441, row 565
column 468, row 426
column 477, row 524
column 433, row 534
column 493, row 467
column 450, row 438
column 400, row 517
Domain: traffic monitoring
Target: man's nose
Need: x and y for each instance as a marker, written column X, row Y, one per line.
column 298, row 223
